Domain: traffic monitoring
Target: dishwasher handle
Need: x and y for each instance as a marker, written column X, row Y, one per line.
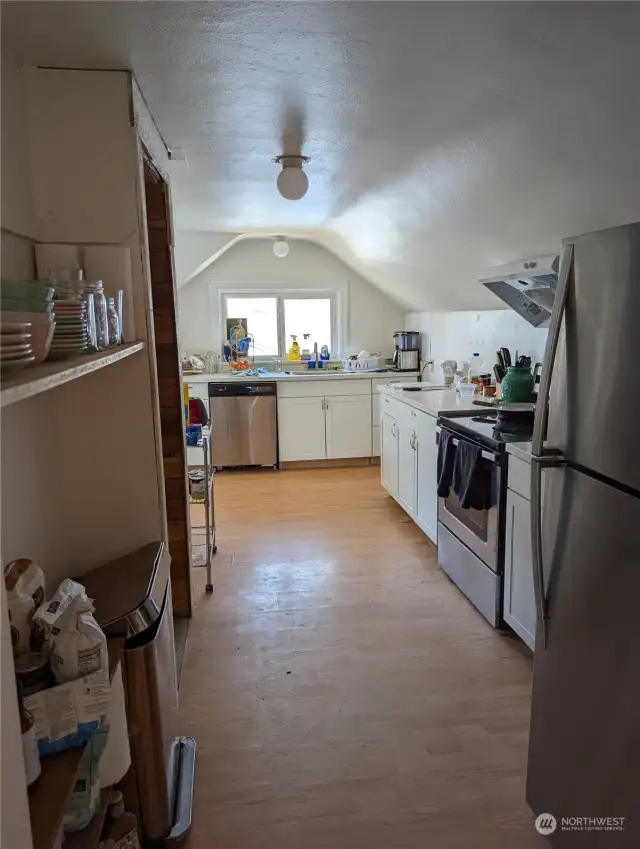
column 231, row 390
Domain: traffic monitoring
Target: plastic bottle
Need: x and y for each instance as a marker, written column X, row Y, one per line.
column 475, row 367
column 294, row 350
column 324, row 352
column 305, row 354
column 121, row 828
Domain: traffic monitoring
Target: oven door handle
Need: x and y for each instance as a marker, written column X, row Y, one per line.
column 486, row 454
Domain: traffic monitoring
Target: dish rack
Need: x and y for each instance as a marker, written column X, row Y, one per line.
column 364, row 364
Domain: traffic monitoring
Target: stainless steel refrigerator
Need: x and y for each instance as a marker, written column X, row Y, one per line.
column 584, row 749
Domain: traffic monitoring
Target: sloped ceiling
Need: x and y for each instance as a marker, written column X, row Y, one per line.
column 445, row 137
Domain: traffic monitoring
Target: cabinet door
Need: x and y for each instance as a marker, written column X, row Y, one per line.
column 519, row 599
column 375, row 439
column 348, row 426
column 301, row 429
column 427, row 474
column 389, row 454
column 407, row 462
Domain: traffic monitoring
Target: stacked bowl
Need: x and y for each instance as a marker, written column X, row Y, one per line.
column 28, row 302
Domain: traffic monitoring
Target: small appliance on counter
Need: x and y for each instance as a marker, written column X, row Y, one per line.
column 407, row 354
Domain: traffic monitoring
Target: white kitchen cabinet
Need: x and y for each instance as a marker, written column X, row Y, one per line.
column 348, row 426
column 426, row 510
column 519, row 598
column 301, row 429
column 375, row 439
column 389, row 453
column 407, row 459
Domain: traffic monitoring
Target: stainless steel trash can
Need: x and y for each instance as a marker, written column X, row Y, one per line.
column 132, row 597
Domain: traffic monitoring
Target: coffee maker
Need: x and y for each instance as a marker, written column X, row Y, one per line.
column 407, row 354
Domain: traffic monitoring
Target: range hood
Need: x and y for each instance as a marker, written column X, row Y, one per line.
column 527, row 286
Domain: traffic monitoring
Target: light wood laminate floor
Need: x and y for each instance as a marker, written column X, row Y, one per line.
column 342, row 692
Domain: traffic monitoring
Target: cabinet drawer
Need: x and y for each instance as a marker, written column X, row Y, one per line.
column 316, row 387
column 519, row 477
column 388, row 405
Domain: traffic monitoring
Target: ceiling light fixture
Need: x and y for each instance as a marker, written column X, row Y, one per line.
column 292, row 182
column 280, row 247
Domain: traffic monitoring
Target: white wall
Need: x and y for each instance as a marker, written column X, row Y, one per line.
column 457, row 335
column 195, row 248
column 369, row 317
column 18, row 212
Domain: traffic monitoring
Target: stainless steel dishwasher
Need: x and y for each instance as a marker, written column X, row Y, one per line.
column 244, row 430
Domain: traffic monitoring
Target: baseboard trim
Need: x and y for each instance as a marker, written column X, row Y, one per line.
column 328, row 464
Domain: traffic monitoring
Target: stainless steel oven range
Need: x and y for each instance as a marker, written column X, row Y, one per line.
column 471, row 542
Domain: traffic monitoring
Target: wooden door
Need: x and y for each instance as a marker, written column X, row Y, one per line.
column 172, row 432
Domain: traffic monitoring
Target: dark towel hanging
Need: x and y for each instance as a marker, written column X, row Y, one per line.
column 446, row 458
column 471, row 477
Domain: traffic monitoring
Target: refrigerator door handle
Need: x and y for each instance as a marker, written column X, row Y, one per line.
column 559, row 304
column 542, row 603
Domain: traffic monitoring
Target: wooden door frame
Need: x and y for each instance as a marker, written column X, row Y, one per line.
column 158, row 223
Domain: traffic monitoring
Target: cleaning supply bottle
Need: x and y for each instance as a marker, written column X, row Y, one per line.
column 305, row 354
column 324, row 352
column 294, row 350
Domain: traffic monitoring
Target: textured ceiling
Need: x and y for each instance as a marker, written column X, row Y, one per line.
column 445, row 137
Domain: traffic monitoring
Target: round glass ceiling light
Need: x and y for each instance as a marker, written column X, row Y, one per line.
column 280, row 248
column 292, row 182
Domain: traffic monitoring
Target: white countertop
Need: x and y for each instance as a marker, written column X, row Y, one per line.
column 435, row 402
column 521, row 450
column 228, row 377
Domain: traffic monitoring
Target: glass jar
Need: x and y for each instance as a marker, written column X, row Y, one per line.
column 113, row 322
column 100, row 308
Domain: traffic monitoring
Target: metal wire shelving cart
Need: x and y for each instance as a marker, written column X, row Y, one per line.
column 203, row 485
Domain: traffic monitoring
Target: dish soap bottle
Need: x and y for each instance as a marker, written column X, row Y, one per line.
column 294, row 350
column 324, row 353
column 305, row 354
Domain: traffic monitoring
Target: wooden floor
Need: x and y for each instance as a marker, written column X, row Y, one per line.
column 342, row 692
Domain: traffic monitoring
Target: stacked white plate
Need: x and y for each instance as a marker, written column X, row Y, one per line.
column 16, row 350
column 70, row 336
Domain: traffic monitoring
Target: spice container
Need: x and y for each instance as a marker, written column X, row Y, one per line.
column 113, row 323
column 96, row 288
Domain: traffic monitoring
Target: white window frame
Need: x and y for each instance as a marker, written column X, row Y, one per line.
column 282, row 295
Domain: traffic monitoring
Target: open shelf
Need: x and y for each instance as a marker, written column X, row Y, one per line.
column 51, row 792
column 48, row 375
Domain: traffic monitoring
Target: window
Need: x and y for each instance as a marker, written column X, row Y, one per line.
column 272, row 319
column 262, row 322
